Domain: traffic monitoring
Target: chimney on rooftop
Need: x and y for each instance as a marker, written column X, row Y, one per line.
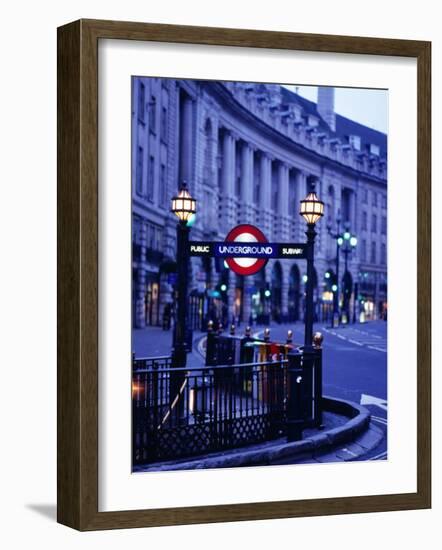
column 326, row 105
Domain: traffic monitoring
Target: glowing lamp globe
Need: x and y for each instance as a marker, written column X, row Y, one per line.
column 183, row 205
column 311, row 208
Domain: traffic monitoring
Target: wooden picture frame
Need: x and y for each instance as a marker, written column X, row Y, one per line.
column 78, row 274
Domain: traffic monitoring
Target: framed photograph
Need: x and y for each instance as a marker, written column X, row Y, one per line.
column 243, row 275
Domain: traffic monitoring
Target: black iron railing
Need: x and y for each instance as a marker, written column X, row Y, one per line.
column 144, row 363
column 186, row 412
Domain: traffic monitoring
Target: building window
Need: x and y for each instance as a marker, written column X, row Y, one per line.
column 163, row 186
column 153, row 236
column 139, row 171
column 364, row 221
column 345, row 205
column 384, row 201
column 158, row 238
column 374, row 199
column 365, row 196
column 141, row 101
column 355, row 142
column 149, row 235
column 151, row 178
column 364, row 251
column 164, row 124
column 152, row 114
column 374, row 223
column 208, row 172
column 374, row 149
column 373, row 252
column 207, row 210
column 384, row 225
column 383, row 254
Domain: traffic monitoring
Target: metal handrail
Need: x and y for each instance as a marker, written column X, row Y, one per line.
column 215, row 367
column 158, row 358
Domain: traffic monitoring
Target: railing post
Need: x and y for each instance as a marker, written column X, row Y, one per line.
column 153, row 407
column 317, row 345
column 295, row 409
column 308, row 362
column 246, row 353
column 211, row 345
column 267, row 342
column 135, row 417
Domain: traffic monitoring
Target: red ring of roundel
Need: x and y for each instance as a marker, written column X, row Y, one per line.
column 260, row 262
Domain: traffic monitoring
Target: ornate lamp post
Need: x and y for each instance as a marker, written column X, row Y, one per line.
column 335, row 288
column 312, row 209
column 348, row 244
column 183, row 206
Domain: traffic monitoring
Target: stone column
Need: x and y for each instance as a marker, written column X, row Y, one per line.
column 187, row 137
column 301, row 193
column 228, row 181
column 265, row 199
column 285, row 294
column 320, row 225
column 246, row 183
column 283, row 201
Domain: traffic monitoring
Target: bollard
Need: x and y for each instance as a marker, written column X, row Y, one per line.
column 317, row 347
column 220, row 328
column 232, row 330
column 267, row 335
column 317, row 340
column 289, row 336
column 210, row 326
column 295, row 402
column 248, row 332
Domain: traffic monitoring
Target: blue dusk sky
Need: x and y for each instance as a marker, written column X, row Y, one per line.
column 366, row 106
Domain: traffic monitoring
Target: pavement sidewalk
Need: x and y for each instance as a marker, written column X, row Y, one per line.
column 154, row 342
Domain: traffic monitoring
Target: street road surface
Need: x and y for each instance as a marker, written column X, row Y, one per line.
column 354, row 366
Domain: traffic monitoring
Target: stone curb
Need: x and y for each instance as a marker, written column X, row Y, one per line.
column 323, row 442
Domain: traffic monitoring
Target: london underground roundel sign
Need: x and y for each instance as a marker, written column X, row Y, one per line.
column 246, row 233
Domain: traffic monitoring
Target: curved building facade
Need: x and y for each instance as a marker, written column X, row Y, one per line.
column 248, row 153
